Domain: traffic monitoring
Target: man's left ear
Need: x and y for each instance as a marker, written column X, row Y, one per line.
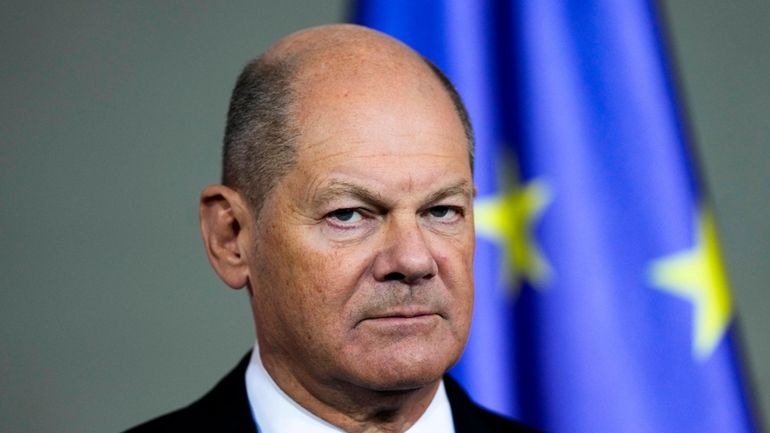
column 224, row 216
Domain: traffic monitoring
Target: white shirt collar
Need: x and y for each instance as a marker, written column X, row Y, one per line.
column 276, row 412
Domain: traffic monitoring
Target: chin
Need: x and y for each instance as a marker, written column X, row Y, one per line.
column 402, row 371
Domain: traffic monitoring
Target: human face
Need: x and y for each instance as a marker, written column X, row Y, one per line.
column 362, row 265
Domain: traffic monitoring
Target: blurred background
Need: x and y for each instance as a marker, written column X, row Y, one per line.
column 112, row 116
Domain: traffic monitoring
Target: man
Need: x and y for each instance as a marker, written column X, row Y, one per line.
column 346, row 211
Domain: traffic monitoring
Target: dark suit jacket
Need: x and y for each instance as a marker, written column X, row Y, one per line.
column 225, row 409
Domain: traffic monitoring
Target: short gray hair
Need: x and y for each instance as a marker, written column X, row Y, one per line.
column 260, row 133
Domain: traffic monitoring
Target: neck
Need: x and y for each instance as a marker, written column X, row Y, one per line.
column 354, row 408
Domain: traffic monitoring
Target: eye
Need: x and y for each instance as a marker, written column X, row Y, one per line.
column 444, row 213
column 346, row 216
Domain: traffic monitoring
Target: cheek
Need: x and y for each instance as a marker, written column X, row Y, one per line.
column 455, row 261
column 455, row 258
column 313, row 283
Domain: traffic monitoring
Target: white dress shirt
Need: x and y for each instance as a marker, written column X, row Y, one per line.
column 276, row 412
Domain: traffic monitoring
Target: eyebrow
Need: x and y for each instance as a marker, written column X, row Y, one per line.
column 343, row 188
column 462, row 187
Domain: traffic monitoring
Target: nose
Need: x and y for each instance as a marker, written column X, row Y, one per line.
column 405, row 255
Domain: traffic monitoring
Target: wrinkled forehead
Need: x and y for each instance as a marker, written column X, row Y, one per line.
column 373, row 105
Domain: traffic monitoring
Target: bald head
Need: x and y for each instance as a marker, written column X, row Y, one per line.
column 277, row 94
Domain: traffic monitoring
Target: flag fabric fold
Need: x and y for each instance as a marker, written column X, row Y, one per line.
column 601, row 301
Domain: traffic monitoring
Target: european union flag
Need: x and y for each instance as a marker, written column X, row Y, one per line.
column 602, row 304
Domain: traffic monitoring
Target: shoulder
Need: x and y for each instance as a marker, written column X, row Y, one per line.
column 471, row 418
column 223, row 409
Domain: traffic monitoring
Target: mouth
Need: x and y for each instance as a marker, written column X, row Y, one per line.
column 401, row 318
column 402, row 313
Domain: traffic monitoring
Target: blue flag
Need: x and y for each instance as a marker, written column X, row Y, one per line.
column 601, row 300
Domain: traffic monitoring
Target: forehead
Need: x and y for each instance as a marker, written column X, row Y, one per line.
column 384, row 106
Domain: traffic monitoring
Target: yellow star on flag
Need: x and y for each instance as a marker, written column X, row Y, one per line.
column 509, row 219
column 698, row 275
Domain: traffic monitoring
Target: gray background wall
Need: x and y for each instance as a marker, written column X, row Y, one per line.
column 112, row 114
